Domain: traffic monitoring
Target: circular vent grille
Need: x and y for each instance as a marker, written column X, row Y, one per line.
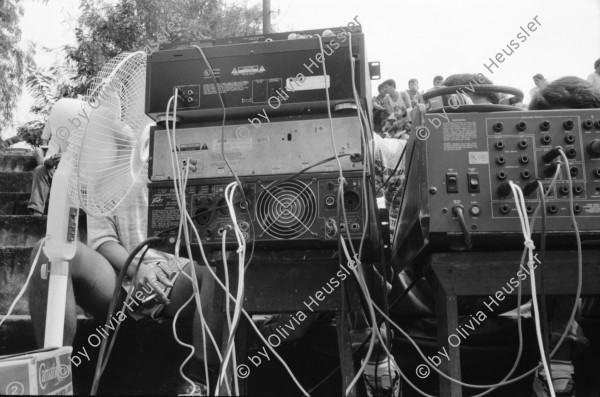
column 286, row 210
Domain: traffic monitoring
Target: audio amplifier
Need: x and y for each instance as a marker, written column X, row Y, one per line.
column 274, row 78
column 279, row 147
column 278, row 211
column 462, row 161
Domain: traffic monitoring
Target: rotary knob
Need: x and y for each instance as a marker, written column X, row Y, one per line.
column 594, row 148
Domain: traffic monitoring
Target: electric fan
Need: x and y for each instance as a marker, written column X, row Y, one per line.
column 106, row 157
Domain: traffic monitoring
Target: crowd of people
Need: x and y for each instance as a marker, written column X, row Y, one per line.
column 392, row 107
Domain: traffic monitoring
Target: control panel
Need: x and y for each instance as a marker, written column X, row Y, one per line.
column 463, row 160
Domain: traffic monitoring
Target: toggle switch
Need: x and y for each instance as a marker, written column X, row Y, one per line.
column 473, row 180
column 452, row 182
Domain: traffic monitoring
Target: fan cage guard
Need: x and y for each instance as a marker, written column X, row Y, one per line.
column 105, row 154
column 286, row 210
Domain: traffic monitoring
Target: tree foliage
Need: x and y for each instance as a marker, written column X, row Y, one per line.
column 13, row 59
column 46, row 86
column 107, row 29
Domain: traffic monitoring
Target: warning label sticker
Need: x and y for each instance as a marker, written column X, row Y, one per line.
column 460, row 135
column 187, row 147
column 209, row 89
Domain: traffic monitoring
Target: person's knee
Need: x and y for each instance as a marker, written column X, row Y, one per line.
column 38, row 251
column 41, row 176
column 40, row 171
column 78, row 264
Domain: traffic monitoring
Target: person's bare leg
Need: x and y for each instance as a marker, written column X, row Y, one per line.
column 91, row 281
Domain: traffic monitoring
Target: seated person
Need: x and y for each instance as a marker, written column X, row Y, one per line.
column 413, row 92
column 397, row 108
column 43, row 173
column 94, row 269
column 437, row 82
column 378, row 109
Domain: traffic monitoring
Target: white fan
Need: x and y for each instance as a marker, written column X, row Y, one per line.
column 107, row 154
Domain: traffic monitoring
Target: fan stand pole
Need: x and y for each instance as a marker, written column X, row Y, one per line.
column 57, row 299
column 60, row 247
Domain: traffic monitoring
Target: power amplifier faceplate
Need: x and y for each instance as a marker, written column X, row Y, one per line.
column 284, row 147
column 278, row 212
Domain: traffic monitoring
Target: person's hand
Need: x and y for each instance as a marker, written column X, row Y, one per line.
column 56, row 159
column 53, row 160
column 388, row 125
column 156, row 275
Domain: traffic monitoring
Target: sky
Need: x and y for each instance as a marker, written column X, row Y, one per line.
column 421, row 39
column 411, row 39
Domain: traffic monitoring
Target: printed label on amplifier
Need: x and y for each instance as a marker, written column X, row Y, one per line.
column 163, row 209
column 217, row 73
column 233, row 145
column 591, row 208
column 460, row 135
column 479, row 158
column 190, row 147
column 310, row 83
column 248, row 70
column 209, row 89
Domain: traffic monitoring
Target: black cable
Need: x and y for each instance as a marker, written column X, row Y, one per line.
column 386, row 309
column 114, row 335
column 458, row 210
column 113, row 303
column 394, row 171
